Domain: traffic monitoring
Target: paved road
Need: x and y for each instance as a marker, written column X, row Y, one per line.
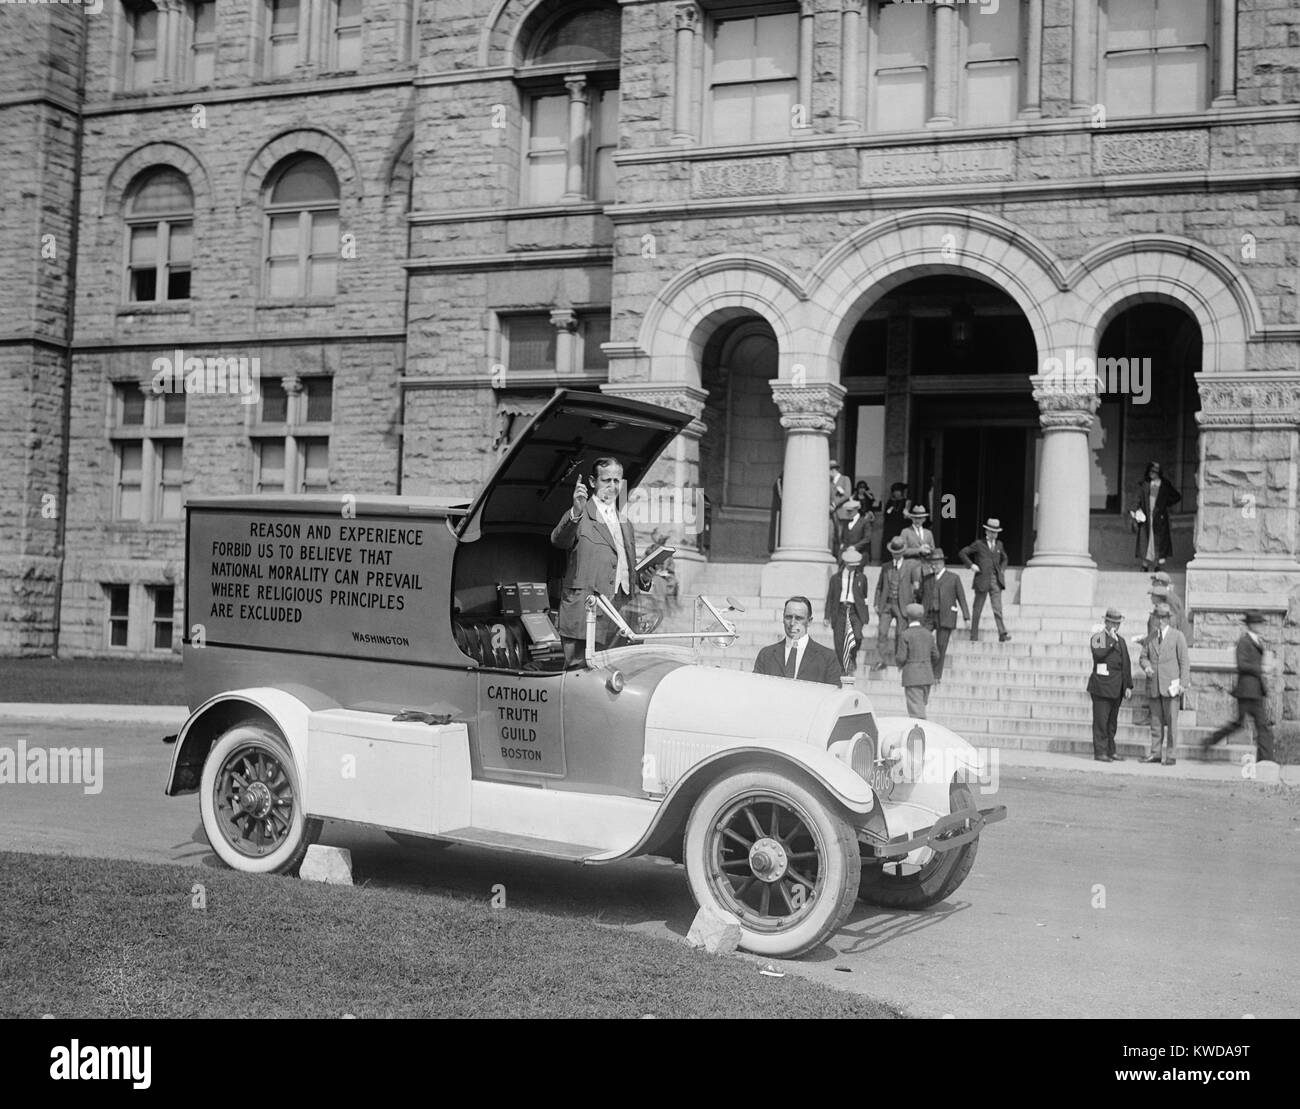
column 1200, row 880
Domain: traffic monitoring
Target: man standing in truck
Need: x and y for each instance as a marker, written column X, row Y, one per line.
column 602, row 556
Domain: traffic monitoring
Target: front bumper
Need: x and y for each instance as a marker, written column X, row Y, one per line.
column 944, row 834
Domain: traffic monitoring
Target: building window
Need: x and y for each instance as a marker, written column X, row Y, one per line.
column 282, row 36
column 753, row 76
column 203, row 41
column 346, row 35
column 991, row 56
column 900, row 93
column 162, row 598
column 148, row 435
column 1157, row 56
column 119, row 613
column 160, row 233
column 302, row 213
column 571, row 119
column 563, row 342
column 291, row 436
column 142, row 47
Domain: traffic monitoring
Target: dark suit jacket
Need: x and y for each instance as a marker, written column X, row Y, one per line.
column 1250, row 670
column 895, row 588
column 856, row 535
column 593, row 562
column 834, row 587
column 818, row 664
column 918, row 655
column 1114, row 656
column 988, row 563
column 895, row 519
column 941, row 597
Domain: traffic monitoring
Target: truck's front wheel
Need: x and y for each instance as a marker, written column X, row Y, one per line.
column 251, row 802
column 777, row 857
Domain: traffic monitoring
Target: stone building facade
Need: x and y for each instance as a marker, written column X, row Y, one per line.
column 887, row 233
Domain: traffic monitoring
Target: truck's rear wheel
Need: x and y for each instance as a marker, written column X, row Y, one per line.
column 251, row 802
column 777, row 857
column 935, row 877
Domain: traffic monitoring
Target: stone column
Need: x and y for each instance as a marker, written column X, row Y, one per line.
column 1083, row 57
column 1225, row 93
column 1062, row 571
column 574, row 186
column 677, row 472
column 565, row 323
column 170, row 67
column 806, row 35
column 850, row 78
column 292, row 385
column 945, row 62
column 688, row 19
column 802, row 560
column 1033, row 95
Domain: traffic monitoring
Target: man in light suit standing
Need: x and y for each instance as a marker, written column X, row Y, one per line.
column 798, row 655
column 941, row 596
column 918, row 535
column 1165, row 662
column 602, row 556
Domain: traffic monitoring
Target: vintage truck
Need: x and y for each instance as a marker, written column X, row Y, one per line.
column 364, row 659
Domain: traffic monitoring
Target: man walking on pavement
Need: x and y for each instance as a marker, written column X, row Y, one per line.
column 1109, row 684
column 917, row 656
column 894, row 591
column 988, row 558
column 941, row 596
column 1165, row 662
column 846, row 608
column 1251, row 691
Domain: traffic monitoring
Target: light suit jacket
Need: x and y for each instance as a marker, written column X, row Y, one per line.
column 1163, row 662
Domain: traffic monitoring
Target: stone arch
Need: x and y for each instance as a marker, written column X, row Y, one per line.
column 499, row 41
column 1171, row 269
column 693, row 304
column 303, row 140
column 148, row 156
column 899, row 248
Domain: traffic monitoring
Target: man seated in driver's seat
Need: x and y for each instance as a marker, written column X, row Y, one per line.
column 602, row 557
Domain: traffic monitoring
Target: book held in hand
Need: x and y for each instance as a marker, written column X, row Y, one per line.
column 656, row 558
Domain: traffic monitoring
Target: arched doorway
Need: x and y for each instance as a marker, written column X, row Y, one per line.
column 939, row 397
column 1147, row 360
column 743, row 447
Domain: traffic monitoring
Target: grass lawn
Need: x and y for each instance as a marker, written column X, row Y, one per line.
column 91, row 681
column 102, row 938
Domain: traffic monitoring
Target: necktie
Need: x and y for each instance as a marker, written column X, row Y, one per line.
column 790, row 658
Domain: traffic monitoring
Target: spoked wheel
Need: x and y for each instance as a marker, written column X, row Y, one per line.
column 928, row 879
column 251, row 802
column 777, row 857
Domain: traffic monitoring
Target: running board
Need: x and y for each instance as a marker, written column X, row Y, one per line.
column 529, row 845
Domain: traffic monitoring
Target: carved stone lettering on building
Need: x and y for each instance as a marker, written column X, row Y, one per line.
column 924, row 165
column 751, row 177
column 1152, row 152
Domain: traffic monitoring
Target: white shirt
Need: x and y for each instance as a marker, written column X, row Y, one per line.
column 798, row 645
column 610, row 515
column 846, row 586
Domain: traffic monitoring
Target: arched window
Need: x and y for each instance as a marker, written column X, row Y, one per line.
column 571, row 117
column 302, row 230
column 160, row 237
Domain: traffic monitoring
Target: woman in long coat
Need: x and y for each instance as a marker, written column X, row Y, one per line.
column 1151, row 514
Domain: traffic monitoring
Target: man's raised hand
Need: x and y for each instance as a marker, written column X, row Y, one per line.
column 579, row 497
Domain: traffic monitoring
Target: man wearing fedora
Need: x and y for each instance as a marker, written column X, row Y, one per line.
column 1164, row 661
column 1250, row 690
column 988, row 558
column 856, row 531
column 918, row 535
column 846, row 608
column 895, row 589
column 1109, row 684
column 1162, row 590
column 917, row 657
column 941, row 596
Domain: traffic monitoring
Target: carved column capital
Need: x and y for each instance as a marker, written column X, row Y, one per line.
column 812, row 406
column 687, row 16
column 564, row 319
column 576, row 83
column 291, row 384
column 1069, row 405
